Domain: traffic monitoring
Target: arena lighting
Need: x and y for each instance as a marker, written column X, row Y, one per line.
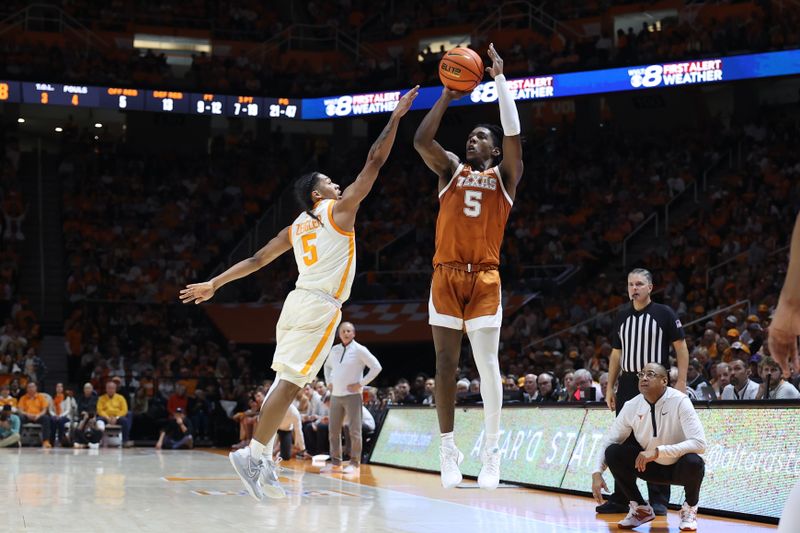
column 635, row 78
column 98, row 125
column 21, row 120
column 59, row 129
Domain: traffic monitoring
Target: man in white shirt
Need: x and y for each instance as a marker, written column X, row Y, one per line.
column 774, row 386
column 344, row 372
column 741, row 386
column 669, row 437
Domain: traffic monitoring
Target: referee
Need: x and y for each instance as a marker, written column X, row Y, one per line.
column 643, row 333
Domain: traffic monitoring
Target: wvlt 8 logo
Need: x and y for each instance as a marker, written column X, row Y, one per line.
column 484, row 93
column 340, row 107
column 647, row 77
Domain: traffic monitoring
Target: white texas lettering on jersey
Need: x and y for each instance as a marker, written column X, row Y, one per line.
column 477, row 180
column 325, row 254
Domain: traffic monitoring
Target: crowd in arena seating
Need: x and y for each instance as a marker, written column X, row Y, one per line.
column 770, row 28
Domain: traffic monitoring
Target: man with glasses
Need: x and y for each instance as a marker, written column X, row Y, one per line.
column 667, row 438
column 643, row 333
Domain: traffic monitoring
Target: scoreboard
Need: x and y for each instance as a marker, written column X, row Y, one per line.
column 636, row 78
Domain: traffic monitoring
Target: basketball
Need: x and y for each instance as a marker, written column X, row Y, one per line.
column 461, row 69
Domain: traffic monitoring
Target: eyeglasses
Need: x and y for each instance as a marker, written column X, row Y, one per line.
column 649, row 374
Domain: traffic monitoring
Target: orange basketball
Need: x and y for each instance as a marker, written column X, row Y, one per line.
column 461, row 69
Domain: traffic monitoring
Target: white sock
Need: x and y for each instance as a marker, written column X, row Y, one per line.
column 448, row 441
column 485, row 342
column 492, row 441
column 256, row 449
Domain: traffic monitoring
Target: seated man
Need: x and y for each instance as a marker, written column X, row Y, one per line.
column 177, row 434
column 112, row 408
column 33, row 409
column 741, row 386
column 668, row 437
column 89, row 431
column 9, row 428
column 290, row 440
column 774, row 386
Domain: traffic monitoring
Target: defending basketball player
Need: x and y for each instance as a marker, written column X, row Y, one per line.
column 323, row 240
column 475, row 199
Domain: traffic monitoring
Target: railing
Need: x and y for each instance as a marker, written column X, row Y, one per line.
column 510, row 12
column 301, row 36
column 735, row 258
column 559, row 274
column 52, row 18
column 632, row 234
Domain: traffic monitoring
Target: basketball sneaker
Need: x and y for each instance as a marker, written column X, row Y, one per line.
column 638, row 515
column 268, row 477
column 331, row 469
column 351, row 470
column 249, row 470
column 489, row 476
column 450, row 459
column 688, row 517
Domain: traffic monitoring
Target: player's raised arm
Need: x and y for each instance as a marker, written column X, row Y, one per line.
column 511, row 166
column 785, row 326
column 439, row 160
column 344, row 211
column 201, row 292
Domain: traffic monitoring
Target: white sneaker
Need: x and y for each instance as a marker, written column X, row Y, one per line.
column 351, row 470
column 489, row 476
column 638, row 515
column 249, row 471
column 268, row 477
column 450, row 459
column 688, row 517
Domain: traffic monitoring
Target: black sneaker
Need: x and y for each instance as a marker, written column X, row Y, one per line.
column 659, row 509
column 611, row 507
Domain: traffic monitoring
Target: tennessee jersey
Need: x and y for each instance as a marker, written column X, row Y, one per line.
column 325, row 253
column 473, row 210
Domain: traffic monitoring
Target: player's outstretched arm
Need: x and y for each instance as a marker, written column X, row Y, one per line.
column 785, row 326
column 511, row 166
column 344, row 212
column 439, row 160
column 201, row 292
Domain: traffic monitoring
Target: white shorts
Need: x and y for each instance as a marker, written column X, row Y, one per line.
column 305, row 333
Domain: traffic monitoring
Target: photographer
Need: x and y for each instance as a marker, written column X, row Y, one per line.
column 9, row 428
column 89, row 432
column 177, row 434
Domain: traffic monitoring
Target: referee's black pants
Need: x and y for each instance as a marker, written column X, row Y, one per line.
column 628, row 389
column 688, row 472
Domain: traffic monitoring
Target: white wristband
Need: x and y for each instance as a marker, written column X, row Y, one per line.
column 509, row 117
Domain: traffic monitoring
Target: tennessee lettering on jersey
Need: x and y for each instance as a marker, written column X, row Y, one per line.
column 473, row 210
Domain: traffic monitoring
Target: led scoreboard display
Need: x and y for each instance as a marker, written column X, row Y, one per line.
column 9, row 91
column 635, row 78
column 120, row 98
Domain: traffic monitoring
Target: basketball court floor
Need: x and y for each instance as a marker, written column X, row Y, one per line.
column 175, row 491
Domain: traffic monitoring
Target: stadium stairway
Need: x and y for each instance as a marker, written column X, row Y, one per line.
column 41, row 276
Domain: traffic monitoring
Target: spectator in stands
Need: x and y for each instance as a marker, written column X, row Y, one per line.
column 315, row 432
column 33, row 409
column 430, row 389
column 247, row 419
column 177, row 435
column 6, row 398
column 569, row 386
column 547, row 386
column 402, row 393
column 531, row 388
column 87, row 402
column 720, row 379
column 741, row 386
column 63, row 411
column 178, row 400
column 584, row 385
column 774, row 386
column 112, row 409
column 9, row 428
column 694, row 375
column 199, row 411
column 290, row 441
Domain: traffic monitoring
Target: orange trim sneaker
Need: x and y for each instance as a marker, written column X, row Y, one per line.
column 688, row 517
column 638, row 515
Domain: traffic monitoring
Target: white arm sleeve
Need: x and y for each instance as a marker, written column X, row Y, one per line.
column 509, row 117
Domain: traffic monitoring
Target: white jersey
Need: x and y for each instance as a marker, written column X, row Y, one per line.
column 325, row 253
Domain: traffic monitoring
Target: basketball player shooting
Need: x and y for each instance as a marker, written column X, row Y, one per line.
column 323, row 241
column 475, row 199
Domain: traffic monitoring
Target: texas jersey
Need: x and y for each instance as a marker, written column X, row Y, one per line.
column 325, row 253
column 473, row 210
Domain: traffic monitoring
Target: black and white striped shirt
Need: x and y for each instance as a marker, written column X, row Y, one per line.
column 645, row 336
